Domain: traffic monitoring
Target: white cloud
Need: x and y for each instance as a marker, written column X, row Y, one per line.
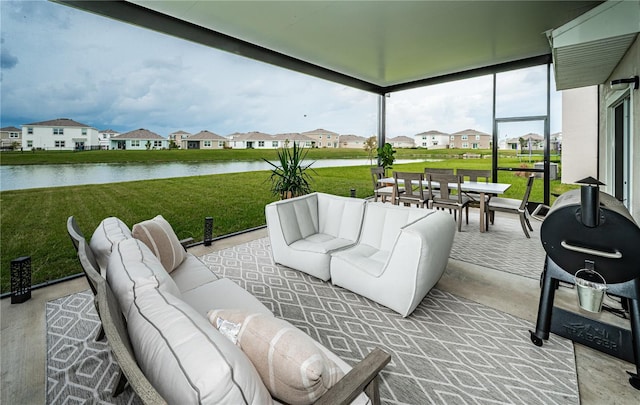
column 69, row 63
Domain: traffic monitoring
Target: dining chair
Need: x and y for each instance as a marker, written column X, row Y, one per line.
column 477, row 175
column 514, row 206
column 380, row 190
column 450, row 195
column 413, row 191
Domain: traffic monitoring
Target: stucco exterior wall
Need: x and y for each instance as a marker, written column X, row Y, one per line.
column 629, row 66
column 579, row 134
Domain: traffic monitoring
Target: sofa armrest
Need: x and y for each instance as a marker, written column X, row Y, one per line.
column 363, row 377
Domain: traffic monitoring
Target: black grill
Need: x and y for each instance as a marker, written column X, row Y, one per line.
column 589, row 229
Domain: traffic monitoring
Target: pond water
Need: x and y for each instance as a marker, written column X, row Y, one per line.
column 17, row 177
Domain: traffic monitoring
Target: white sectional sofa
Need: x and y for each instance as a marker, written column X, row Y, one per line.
column 390, row 254
column 168, row 296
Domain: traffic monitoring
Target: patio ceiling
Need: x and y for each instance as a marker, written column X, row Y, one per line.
column 378, row 46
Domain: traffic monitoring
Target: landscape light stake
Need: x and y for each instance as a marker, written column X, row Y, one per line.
column 20, row 279
column 208, row 231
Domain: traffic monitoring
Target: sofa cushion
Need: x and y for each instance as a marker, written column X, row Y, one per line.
column 320, row 243
column 298, row 217
column 383, row 222
column 158, row 234
column 109, row 232
column 132, row 269
column 222, row 294
column 192, row 273
column 290, row 363
column 186, row 359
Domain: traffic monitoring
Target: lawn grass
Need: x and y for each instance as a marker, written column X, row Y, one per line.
column 33, row 221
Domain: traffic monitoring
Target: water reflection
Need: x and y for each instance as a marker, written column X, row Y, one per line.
column 36, row 176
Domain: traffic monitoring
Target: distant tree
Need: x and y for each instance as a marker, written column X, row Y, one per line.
column 370, row 145
column 148, row 145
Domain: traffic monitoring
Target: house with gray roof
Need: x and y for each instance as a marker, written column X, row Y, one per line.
column 401, row 142
column 321, row 138
column 204, row 140
column 139, row 139
column 432, row 140
column 177, row 138
column 59, row 134
column 470, row 139
column 352, row 141
column 10, row 138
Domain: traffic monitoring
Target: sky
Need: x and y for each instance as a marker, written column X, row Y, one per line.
column 58, row 62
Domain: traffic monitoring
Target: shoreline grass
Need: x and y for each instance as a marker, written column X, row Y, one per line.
column 33, row 221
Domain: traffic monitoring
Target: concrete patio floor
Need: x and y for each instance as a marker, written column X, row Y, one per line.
column 602, row 379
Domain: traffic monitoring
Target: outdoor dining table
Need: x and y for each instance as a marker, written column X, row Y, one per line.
column 479, row 187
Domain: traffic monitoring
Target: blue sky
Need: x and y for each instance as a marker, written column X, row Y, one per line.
column 60, row 62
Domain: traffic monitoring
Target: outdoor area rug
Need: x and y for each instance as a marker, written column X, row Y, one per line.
column 449, row 351
column 80, row 370
column 504, row 247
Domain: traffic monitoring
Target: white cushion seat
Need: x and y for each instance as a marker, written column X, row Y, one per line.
column 304, row 230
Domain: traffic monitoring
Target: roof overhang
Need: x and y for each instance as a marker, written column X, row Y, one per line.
column 377, row 46
column 587, row 49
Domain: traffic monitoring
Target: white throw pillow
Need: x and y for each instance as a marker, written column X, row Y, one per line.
column 292, row 366
column 158, row 235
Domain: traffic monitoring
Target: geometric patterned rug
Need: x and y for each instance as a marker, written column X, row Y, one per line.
column 80, row 370
column 504, row 247
column 448, row 351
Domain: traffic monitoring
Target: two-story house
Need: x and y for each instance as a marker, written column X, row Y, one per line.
column 10, row 138
column 321, row 138
column 470, row 139
column 432, row 140
column 401, row 142
column 139, row 139
column 204, row 140
column 352, row 141
column 59, row 134
column 177, row 138
column 104, row 138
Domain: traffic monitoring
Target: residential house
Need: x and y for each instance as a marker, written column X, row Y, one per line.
column 401, row 142
column 352, row 141
column 204, row 140
column 286, row 140
column 59, row 134
column 10, row 138
column 177, row 138
column 470, row 139
column 321, row 138
column 251, row 140
column 432, row 140
column 523, row 142
column 139, row 139
column 104, row 138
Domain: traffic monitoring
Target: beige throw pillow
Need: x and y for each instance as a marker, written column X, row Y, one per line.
column 291, row 364
column 158, row 235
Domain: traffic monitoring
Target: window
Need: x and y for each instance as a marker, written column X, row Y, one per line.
column 464, row 137
column 104, row 136
column 135, row 142
column 477, row 137
column 207, row 144
column 157, row 144
column 424, row 144
column 59, row 144
column 14, row 135
column 221, row 144
column 319, row 136
column 474, row 146
column 84, row 131
column 307, row 144
column 29, row 144
column 453, row 138
column 328, row 136
column 58, row 131
column 274, row 144
column 434, row 143
column 465, row 145
column 30, row 131
column 260, row 144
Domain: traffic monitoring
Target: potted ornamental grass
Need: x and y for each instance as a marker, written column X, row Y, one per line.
column 290, row 177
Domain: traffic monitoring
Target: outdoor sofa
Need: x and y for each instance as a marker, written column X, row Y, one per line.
column 159, row 305
column 390, row 254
